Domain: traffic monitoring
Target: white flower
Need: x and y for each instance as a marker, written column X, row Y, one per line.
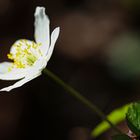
column 29, row 57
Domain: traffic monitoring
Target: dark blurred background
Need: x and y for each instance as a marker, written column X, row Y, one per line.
column 97, row 53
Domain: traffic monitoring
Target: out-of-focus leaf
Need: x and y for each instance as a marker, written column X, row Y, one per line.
column 133, row 118
column 121, row 137
column 133, row 5
column 124, row 57
column 115, row 117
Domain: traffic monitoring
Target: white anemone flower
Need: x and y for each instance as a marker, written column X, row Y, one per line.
column 29, row 58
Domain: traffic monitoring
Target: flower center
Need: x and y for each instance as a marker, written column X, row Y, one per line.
column 24, row 53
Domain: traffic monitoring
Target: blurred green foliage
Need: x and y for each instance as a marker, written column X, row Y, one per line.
column 124, row 56
column 132, row 5
column 115, row 117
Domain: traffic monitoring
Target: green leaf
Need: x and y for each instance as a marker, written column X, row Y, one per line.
column 121, row 137
column 133, row 118
column 115, row 117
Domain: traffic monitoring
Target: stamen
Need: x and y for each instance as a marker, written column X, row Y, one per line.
column 25, row 54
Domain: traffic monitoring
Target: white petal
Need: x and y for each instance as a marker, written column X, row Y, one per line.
column 42, row 31
column 20, row 83
column 39, row 65
column 54, row 37
column 4, row 66
column 14, row 74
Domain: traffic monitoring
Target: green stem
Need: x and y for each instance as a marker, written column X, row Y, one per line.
column 81, row 98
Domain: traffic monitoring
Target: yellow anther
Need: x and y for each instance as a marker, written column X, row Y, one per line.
column 25, row 54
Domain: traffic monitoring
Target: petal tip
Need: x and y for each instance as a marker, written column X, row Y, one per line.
column 58, row 29
column 5, row 89
column 39, row 10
